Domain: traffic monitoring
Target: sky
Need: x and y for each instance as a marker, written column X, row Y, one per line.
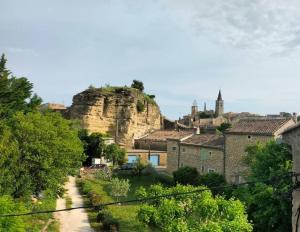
column 183, row 50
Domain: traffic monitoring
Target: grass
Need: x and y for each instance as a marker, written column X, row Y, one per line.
column 37, row 222
column 68, row 200
column 126, row 215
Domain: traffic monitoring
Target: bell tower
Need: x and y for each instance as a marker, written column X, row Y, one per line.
column 219, row 105
column 194, row 111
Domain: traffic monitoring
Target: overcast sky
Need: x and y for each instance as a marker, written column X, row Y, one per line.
column 181, row 50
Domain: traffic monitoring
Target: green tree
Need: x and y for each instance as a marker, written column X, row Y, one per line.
column 11, row 224
column 268, row 204
column 16, row 93
column 199, row 211
column 119, row 187
column 186, row 175
column 45, row 149
column 93, row 145
column 213, row 179
column 223, row 127
column 140, row 107
column 115, row 154
column 138, row 85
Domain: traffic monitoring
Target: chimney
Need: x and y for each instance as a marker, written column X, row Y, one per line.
column 295, row 117
column 197, row 130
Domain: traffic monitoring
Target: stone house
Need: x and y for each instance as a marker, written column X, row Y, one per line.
column 157, row 140
column 202, row 151
column 291, row 136
column 249, row 132
column 158, row 159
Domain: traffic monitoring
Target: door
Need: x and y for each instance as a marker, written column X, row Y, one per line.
column 154, row 160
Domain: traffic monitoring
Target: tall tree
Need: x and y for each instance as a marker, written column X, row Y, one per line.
column 15, row 93
column 138, row 85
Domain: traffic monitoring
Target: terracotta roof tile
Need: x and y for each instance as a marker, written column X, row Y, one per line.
column 266, row 126
column 163, row 135
column 206, row 140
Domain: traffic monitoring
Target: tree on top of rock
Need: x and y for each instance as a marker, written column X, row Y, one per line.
column 138, row 85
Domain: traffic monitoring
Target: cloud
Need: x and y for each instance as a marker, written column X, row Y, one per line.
column 263, row 26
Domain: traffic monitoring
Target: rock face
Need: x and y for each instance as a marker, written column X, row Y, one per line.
column 114, row 110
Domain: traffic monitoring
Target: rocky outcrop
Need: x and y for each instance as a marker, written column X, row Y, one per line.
column 114, row 110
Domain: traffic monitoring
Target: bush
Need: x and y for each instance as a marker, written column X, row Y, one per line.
column 109, row 223
column 140, row 165
column 186, row 175
column 119, row 187
column 149, row 170
column 212, row 179
column 164, row 179
column 102, row 174
column 138, row 85
column 140, row 107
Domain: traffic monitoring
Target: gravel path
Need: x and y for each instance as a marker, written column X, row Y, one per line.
column 74, row 220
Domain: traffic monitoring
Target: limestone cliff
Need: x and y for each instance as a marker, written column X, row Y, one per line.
column 124, row 113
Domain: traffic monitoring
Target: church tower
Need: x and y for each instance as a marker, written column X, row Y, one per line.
column 194, row 111
column 219, row 105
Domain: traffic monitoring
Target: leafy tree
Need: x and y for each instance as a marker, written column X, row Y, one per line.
column 186, row 175
column 138, row 85
column 119, row 187
column 139, row 166
column 213, row 179
column 223, row 127
column 114, row 153
column 44, row 150
column 268, row 204
column 199, row 211
column 9, row 206
column 16, row 93
column 93, row 145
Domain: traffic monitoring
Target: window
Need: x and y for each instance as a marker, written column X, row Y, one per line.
column 249, row 136
column 183, row 149
column 209, row 170
column 173, row 148
column 204, row 154
column 202, row 168
column 210, row 153
column 132, row 158
column 237, row 179
column 154, row 160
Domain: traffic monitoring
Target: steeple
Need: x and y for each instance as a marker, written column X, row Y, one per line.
column 219, row 105
column 220, row 96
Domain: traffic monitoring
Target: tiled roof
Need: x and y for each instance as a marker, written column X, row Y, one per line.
column 206, row 140
column 292, row 128
column 163, row 135
column 266, row 126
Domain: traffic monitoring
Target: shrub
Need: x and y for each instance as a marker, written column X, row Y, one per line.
column 109, row 223
column 149, row 170
column 140, row 107
column 212, row 179
column 186, row 175
column 164, row 179
column 102, row 174
column 138, row 85
column 140, row 165
column 119, row 187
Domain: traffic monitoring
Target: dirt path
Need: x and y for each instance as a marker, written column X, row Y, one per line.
column 75, row 220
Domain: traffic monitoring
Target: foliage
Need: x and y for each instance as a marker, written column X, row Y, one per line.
column 93, row 145
column 213, row 179
column 16, row 93
column 186, row 175
column 44, row 149
column 223, row 127
column 114, row 153
column 140, row 107
column 119, row 187
column 268, row 204
column 139, row 166
column 11, row 224
column 191, row 212
column 102, row 174
column 138, row 85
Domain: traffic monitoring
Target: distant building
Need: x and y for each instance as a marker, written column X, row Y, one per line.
column 291, row 136
column 202, row 151
column 248, row 132
column 54, row 106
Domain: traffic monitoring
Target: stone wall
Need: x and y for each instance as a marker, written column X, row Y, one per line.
column 172, row 158
column 115, row 112
column 235, row 145
column 293, row 139
column 153, row 145
column 144, row 156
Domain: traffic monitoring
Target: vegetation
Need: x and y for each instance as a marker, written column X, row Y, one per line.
column 186, row 175
column 119, row 188
column 223, row 127
column 43, row 149
column 211, row 180
column 192, row 212
column 93, row 145
column 268, row 204
column 140, row 107
column 138, row 85
column 115, row 153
